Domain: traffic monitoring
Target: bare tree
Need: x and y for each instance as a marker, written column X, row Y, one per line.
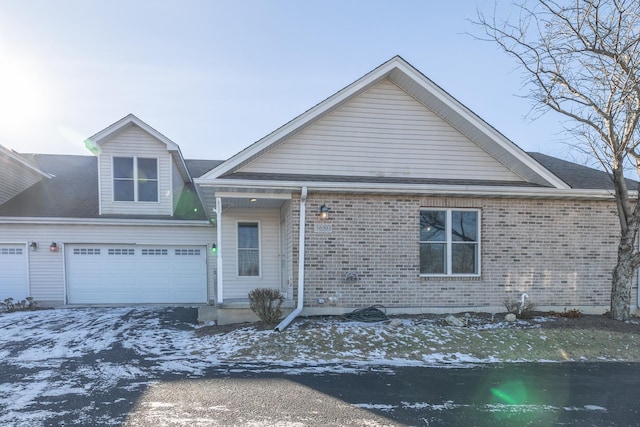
column 581, row 58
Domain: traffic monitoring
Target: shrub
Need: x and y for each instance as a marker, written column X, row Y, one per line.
column 9, row 305
column 574, row 313
column 266, row 303
column 515, row 306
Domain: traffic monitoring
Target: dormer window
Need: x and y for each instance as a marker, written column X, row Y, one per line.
column 135, row 179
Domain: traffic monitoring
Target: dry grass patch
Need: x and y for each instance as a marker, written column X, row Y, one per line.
column 421, row 341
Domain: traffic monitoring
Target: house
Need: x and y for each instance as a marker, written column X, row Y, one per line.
column 122, row 226
column 389, row 192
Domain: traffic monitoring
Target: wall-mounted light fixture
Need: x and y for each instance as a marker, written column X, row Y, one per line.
column 33, row 245
column 214, row 249
column 253, row 200
column 324, row 212
column 53, row 247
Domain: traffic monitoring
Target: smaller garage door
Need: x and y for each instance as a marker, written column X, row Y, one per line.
column 122, row 274
column 14, row 281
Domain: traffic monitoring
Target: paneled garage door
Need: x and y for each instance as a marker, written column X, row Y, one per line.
column 14, row 281
column 131, row 274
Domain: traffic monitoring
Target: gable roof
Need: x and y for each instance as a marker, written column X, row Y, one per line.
column 409, row 79
column 72, row 191
column 94, row 142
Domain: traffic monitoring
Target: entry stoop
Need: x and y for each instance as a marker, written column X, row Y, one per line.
column 235, row 312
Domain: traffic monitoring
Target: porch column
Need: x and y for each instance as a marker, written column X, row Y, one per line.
column 219, row 298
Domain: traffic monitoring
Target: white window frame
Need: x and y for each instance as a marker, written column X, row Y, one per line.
column 135, row 179
column 259, row 275
column 448, row 242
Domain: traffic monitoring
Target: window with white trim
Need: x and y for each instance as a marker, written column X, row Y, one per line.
column 135, row 179
column 248, row 249
column 449, row 242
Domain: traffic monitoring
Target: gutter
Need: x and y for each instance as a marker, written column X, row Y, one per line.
column 103, row 221
column 301, row 238
column 421, row 189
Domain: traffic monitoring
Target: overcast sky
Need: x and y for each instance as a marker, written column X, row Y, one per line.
column 215, row 76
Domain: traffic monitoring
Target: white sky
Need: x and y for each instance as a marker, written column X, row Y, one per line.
column 215, row 76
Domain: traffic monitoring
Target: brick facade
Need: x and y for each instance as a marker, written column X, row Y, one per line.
column 560, row 252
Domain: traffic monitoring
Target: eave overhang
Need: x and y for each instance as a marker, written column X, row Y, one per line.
column 412, row 189
column 104, row 221
column 23, row 162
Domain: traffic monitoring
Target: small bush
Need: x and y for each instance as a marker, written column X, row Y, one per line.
column 515, row 306
column 10, row 305
column 266, row 303
column 512, row 305
column 574, row 313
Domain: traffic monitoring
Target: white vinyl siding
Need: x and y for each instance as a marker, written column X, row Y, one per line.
column 177, row 184
column 15, row 178
column 47, row 271
column 236, row 286
column 134, row 142
column 382, row 133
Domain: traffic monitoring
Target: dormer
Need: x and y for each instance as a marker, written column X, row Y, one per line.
column 140, row 171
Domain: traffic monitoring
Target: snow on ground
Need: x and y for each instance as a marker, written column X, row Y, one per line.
column 81, row 351
column 50, row 355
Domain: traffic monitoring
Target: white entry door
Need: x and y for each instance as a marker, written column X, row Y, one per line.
column 136, row 274
column 14, row 274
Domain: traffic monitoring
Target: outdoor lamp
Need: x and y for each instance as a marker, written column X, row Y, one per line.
column 53, row 247
column 324, row 212
column 33, row 245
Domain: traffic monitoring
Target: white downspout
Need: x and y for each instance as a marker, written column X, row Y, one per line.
column 219, row 298
column 301, row 240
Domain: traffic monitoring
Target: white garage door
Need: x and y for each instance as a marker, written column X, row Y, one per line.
column 14, row 281
column 129, row 274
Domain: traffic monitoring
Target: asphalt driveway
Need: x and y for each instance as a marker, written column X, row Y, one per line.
column 77, row 363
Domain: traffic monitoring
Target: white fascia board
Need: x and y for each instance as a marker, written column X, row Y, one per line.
column 473, row 118
column 100, row 221
column 177, row 156
column 172, row 147
column 421, row 189
column 132, row 119
column 18, row 158
column 239, row 195
column 300, row 121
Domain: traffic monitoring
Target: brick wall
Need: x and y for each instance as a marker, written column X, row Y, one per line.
column 560, row 252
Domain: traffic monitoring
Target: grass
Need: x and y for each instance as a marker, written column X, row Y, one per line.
column 416, row 341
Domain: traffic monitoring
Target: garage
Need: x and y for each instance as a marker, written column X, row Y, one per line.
column 135, row 274
column 14, row 275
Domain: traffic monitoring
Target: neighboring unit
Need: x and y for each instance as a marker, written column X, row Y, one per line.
column 389, row 192
column 124, row 226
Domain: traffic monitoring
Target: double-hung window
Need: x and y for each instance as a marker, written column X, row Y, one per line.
column 248, row 249
column 135, row 179
column 449, row 242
